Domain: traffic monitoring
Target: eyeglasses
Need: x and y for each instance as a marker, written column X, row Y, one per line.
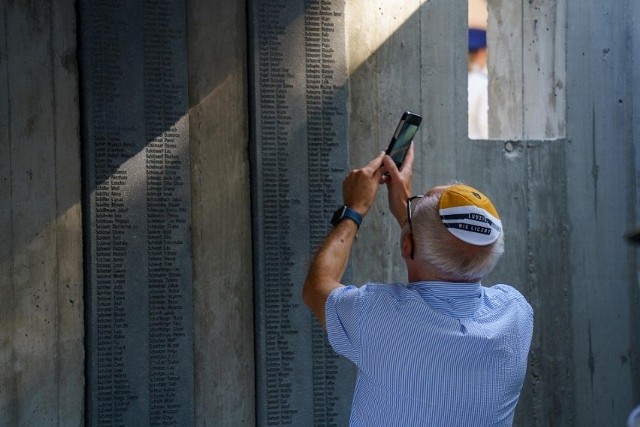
column 409, row 210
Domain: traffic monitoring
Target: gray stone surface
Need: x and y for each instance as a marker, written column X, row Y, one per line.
column 300, row 128
column 566, row 204
column 221, row 214
column 41, row 306
column 138, row 253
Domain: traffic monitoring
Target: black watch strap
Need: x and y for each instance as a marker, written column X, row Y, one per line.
column 346, row 212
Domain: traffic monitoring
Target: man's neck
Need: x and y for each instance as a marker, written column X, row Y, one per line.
column 420, row 273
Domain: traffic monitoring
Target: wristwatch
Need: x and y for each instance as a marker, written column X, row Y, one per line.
column 346, row 212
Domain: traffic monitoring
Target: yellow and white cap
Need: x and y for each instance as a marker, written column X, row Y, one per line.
column 469, row 215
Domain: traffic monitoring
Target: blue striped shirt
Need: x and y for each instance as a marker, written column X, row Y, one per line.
column 431, row 353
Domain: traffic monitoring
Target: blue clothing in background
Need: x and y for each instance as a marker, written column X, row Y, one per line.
column 431, row 353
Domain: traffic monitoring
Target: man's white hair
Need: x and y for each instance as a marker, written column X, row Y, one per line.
column 450, row 257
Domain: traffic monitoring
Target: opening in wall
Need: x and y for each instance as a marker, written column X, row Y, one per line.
column 516, row 69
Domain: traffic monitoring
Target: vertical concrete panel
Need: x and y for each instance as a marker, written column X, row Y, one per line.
column 70, row 303
column 443, row 88
column 633, row 154
column 137, row 193
column 526, row 45
column 299, row 98
column 549, row 286
column 543, row 65
column 601, row 175
column 33, row 212
column 9, row 399
column 504, row 41
column 221, row 220
column 41, row 272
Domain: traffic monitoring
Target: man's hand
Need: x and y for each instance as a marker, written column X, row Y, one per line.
column 399, row 185
column 360, row 187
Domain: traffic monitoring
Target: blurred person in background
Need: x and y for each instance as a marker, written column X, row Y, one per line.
column 478, row 85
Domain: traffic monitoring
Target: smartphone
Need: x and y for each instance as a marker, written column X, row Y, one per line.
column 401, row 141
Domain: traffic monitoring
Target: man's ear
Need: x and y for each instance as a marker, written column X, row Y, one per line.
column 406, row 244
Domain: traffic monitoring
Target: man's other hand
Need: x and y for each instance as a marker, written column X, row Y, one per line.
column 360, row 187
column 399, row 185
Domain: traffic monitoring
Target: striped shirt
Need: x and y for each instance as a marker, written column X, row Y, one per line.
column 431, row 353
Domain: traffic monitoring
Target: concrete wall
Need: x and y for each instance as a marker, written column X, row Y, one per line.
column 41, row 318
column 566, row 203
column 601, row 175
column 567, row 200
column 221, row 221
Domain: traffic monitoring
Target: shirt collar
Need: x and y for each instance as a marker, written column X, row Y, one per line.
column 460, row 300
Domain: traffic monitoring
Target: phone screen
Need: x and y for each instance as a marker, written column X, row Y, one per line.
column 402, row 138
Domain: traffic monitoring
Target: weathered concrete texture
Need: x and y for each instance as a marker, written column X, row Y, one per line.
column 566, row 203
column 41, row 329
column 139, row 346
column 299, row 129
column 221, row 221
column 526, row 45
column 602, row 194
column 634, row 208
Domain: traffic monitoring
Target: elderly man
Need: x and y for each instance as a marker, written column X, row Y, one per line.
column 441, row 350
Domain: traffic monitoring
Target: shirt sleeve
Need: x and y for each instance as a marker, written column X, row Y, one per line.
column 343, row 311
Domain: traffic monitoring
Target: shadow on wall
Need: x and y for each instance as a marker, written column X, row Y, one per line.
column 40, row 249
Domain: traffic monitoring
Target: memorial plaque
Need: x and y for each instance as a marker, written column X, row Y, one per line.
column 300, row 158
column 138, row 260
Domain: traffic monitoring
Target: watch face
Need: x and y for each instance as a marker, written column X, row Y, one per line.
column 337, row 215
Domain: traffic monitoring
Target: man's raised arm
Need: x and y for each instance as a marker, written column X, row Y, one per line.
column 359, row 191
